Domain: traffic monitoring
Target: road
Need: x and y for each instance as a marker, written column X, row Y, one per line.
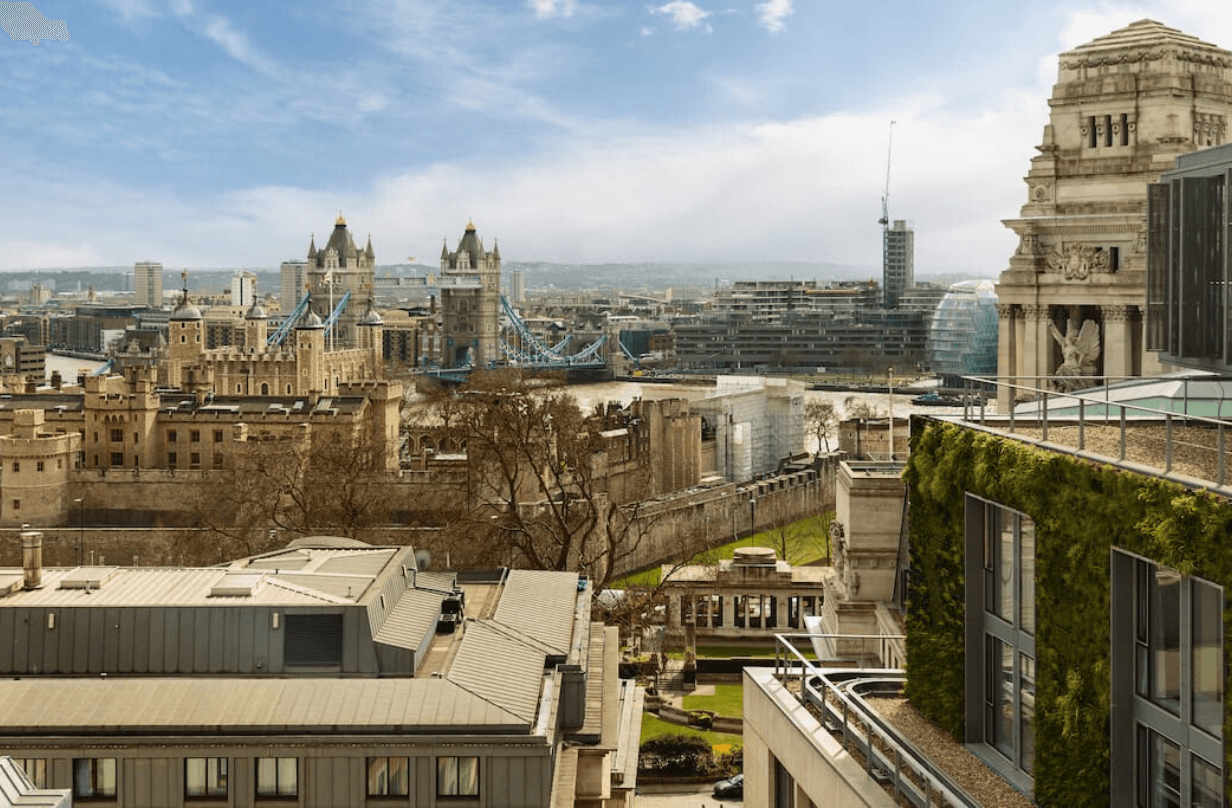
column 685, row 796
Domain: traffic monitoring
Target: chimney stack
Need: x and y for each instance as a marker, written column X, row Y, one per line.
column 32, row 558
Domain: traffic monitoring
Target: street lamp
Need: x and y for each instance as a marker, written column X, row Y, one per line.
column 81, row 526
column 890, row 385
column 752, row 519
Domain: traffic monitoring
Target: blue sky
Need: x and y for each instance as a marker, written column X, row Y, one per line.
column 207, row 133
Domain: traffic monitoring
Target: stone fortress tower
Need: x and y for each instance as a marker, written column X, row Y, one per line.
column 470, row 302
column 337, row 268
column 1124, row 106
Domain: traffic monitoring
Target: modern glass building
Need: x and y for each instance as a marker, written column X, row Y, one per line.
column 963, row 338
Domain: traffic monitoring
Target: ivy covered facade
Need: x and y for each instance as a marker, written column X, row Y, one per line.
column 1096, row 561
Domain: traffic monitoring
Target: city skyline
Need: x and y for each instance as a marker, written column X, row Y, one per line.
column 207, row 134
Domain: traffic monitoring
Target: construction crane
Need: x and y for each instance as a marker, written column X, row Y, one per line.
column 884, row 221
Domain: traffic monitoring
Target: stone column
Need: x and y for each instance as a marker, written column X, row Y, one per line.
column 1036, row 351
column 729, row 611
column 1118, row 341
column 673, row 611
column 1007, row 353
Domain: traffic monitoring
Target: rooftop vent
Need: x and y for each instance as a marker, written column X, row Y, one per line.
column 88, row 577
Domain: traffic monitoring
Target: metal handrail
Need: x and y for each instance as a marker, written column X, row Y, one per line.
column 912, row 776
column 1113, row 414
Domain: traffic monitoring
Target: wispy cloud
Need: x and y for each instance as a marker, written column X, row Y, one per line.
column 685, row 16
column 772, row 13
column 553, row 8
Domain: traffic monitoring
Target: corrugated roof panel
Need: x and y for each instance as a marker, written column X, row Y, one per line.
column 186, row 705
column 356, row 562
column 411, row 619
column 350, row 587
column 440, row 581
column 495, row 666
column 159, row 587
column 540, row 604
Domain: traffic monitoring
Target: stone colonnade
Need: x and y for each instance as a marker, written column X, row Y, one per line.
column 1025, row 345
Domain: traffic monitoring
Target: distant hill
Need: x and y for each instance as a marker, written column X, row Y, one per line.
column 539, row 275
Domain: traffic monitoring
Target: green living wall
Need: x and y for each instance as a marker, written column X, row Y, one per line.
column 1080, row 510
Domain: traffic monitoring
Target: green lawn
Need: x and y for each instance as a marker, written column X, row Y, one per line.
column 727, row 701
column 653, row 727
column 807, row 540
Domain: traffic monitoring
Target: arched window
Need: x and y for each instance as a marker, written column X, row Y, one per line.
column 264, row 389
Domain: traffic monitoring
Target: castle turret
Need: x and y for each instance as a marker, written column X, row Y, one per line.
column 186, row 337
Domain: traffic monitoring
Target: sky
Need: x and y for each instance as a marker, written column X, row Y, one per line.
column 202, row 133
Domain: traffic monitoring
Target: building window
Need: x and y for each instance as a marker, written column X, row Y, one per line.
column 457, row 777
column 277, row 777
column 218, row 436
column 117, row 436
column 1000, row 643
column 35, row 769
column 194, row 460
column 195, row 436
column 94, row 778
column 1167, row 669
column 38, row 466
column 16, row 466
column 205, row 777
column 171, row 458
column 171, row 436
column 217, row 461
column 17, row 504
column 117, row 458
column 784, row 787
column 389, row 776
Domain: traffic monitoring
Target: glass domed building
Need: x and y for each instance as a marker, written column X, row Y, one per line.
column 962, row 340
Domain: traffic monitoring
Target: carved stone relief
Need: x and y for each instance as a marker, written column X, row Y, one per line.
column 1077, row 262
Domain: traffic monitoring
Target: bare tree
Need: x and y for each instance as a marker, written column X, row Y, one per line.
column 536, row 481
column 332, row 481
column 822, row 419
column 860, row 408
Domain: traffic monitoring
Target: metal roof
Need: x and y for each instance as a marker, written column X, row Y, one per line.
column 221, row 705
column 541, row 605
column 411, row 619
column 439, row 581
column 159, row 587
column 495, row 666
column 16, row 790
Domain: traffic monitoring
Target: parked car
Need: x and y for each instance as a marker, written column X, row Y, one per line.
column 731, row 788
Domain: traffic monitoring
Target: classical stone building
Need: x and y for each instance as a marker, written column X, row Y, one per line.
column 1124, row 106
column 470, row 302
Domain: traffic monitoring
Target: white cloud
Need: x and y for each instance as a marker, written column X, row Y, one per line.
column 684, row 15
column 553, row 8
column 45, row 255
column 772, row 13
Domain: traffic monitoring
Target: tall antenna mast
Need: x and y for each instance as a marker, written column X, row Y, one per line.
column 884, row 221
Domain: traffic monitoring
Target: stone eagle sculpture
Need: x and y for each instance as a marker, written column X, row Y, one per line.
column 1079, row 352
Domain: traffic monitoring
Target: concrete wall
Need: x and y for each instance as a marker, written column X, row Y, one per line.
column 777, row 727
